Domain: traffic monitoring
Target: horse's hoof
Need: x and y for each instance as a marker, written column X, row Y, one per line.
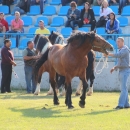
column 77, row 94
column 89, row 93
column 70, row 107
column 35, row 93
column 56, row 103
column 50, row 93
column 81, row 105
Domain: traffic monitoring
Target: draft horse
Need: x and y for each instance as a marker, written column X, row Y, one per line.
column 71, row 61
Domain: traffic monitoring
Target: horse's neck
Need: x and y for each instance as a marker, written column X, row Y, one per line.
column 81, row 51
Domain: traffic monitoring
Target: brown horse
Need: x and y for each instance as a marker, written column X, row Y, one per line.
column 71, row 61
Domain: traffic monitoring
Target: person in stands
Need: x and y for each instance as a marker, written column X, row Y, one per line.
column 42, row 29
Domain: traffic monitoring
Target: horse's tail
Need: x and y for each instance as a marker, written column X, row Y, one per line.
column 39, row 63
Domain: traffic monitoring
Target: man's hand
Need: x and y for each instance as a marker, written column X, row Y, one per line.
column 13, row 63
column 105, row 54
column 112, row 70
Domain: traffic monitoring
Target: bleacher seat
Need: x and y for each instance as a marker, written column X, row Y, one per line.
column 114, row 9
column 126, row 11
column 113, row 43
column 13, row 43
column 32, row 31
column 23, row 43
column 27, row 20
column 49, row 10
column 55, row 2
column 57, row 22
column 34, row 10
column 4, row 9
column 9, row 19
column 66, row 32
column 80, row 7
column 96, row 10
column 63, row 10
column 52, row 29
column 44, row 18
column 123, row 21
column 83, row 29
column 100, row 30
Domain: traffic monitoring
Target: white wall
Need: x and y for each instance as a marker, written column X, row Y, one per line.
column 104, row 81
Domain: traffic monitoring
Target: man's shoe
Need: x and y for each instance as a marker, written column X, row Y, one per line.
column 127, row 107
column 118, row 107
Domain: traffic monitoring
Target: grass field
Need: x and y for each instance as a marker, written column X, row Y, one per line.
column 21, row 111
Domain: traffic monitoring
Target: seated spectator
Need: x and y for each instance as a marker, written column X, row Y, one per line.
column 17, row 26
column 81, row 2
column 8, row 3
column 122, row 3
column 73, row 15
column 128, row 2
column 87, row 17
column 104, row 14
column 113, row 2
column 22, row 7
column 3, row 22
column 38, row 2
column 42, row 29
column 65, row 2
column 112, row 26
column 97, row 2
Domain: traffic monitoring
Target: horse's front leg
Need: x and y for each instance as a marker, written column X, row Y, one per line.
column 68, row 93
column 83, row 96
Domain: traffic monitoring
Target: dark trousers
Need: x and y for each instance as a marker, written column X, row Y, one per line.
column 8, row 3
column 101, row 23
column 6, row 77
column 122, row 3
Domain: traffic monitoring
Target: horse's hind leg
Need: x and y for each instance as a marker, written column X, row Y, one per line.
column 82, row 101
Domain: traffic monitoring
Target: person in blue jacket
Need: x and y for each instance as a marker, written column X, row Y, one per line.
column 112, row 26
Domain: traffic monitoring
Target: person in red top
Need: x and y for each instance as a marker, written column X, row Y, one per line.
column 3, row 22
column 17, row 26
column 6, row 66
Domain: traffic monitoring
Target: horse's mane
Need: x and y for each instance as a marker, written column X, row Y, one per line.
column 42, row 41
column 78, row 36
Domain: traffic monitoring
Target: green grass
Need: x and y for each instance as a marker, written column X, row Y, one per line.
column 21, row 111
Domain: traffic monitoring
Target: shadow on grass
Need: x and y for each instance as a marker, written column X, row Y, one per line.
column 101, row 112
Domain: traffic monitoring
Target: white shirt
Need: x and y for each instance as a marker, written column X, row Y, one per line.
column 105, row 12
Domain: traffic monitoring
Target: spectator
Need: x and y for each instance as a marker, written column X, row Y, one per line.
column 104, row 14
column 87, row 17
column 38, row 2
column 72, row 15
column 128, row 2
column 64, row 2
column 17, row 26
column 123, row 65
column 22, row 7
column 4, row 22
column 8, row 3
column 122, row 3
column 113, row 2
column 97, row 2
column 29, row 56
column 112, row 26
column 81, row 2
column 6, row 66
column 42, row 29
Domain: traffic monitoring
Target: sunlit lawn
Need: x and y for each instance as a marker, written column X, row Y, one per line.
column 21, row 111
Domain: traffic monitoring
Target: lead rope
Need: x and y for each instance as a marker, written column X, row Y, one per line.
column 15, row 74
column 105, row 65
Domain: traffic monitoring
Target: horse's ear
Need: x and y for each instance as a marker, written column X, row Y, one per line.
column 51, row 32
column 94, row 31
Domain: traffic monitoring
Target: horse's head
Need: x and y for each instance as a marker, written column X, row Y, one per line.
column 41, row 43
column 99, row 43
column 56, row 38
